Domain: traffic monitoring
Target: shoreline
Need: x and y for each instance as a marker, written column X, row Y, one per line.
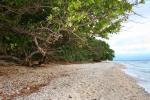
column 134, row 77
column 92, row 81
column 123, row 68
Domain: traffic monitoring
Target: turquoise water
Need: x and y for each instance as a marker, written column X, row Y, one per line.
column 140, row 70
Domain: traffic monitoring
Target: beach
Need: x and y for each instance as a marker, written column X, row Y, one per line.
column 90, row 81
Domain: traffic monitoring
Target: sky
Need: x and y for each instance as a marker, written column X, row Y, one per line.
column 133, row 40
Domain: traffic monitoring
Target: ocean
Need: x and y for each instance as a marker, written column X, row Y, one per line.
column 140, row 70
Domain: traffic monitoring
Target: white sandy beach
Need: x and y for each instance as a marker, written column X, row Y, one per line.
column 95, row 81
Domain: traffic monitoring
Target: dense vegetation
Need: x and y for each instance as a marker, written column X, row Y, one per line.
column 47, row 30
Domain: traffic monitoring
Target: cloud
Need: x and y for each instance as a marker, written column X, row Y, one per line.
column 132, row 48
column 134, row 38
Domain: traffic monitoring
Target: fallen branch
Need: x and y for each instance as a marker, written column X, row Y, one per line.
column 11, row 58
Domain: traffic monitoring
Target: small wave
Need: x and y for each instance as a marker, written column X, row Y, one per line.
column 140, row 70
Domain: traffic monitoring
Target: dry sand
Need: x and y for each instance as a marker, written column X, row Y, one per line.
column 95, row 81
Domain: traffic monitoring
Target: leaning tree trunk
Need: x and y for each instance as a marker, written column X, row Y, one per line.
column 28, row 59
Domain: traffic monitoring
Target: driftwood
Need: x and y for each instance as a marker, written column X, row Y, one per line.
column 12, row 58
column 28, row 60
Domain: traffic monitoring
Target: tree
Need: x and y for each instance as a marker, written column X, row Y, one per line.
column 31, row 29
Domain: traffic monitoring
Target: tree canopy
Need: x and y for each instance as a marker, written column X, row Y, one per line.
column 44, row 30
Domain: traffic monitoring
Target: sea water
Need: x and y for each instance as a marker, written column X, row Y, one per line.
column 140, row 70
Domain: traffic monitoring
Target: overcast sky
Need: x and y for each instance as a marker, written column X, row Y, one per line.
column 133, row 41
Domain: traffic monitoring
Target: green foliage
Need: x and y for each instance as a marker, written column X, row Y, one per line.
column 95, row 50
column 15, row 44
column 72, row 53
column 75, row 21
